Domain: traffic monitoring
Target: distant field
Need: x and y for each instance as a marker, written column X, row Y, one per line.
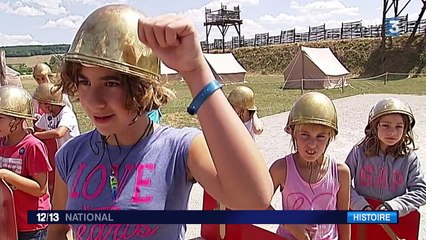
column 28, row 61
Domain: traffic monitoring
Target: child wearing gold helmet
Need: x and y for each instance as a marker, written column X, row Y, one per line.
column 113, row 66
column 23, row 160
column 43, row 74
column 242, row 100
column 308, row 178
column 58, row 120
column 383, row 165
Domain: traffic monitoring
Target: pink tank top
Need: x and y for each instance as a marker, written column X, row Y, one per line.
column 298, row 195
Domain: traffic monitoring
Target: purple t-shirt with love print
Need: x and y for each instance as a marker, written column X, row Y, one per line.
column 151, row 176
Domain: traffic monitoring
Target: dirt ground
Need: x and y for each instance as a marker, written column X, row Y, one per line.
column 352, row 117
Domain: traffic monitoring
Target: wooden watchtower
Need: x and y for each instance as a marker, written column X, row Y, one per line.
column 223, row 19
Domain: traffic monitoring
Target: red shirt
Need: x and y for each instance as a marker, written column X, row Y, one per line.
column 27, row 158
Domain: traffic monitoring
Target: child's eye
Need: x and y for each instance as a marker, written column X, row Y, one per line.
column 321, row 136
column 112, row 84
column 83, row 82
column 304, row 135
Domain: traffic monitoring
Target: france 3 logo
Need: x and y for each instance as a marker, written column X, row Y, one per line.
column 392, row 27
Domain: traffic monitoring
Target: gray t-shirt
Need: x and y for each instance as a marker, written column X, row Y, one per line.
column 152, row 176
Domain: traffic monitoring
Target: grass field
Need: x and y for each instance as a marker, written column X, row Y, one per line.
column 270, row 98
column 28, row 61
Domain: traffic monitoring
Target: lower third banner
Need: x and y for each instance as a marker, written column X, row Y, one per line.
column 211, row 217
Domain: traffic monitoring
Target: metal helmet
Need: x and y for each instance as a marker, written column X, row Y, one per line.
column 48, row 93
column 109, row 38
column 242, row 97
column 41, row 69
column 313, row 108
column 15, row 102
column 389, row 106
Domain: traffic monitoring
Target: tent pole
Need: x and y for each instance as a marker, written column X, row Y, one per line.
column 303, row 73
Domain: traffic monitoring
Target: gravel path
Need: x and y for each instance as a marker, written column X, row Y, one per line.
column 352, row 116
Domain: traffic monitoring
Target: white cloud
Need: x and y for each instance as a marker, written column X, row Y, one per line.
column 34, row 7
column 332, row 13
column 69, row 22
column 16, row 4
column 12, row 40
column 55, row 10
column 51, row 7
column 230, row 4
column 4, row 6
column 251, row 28
column 95, row 2
column 26, row 11
column 325, row 7
column 46, row 3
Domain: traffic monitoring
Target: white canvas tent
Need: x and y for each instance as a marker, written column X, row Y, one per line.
column 169, row 74
column 315, row 68
column 225, row 67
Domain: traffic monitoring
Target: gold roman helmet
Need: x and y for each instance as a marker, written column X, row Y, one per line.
column 15, row 102
column 389, row 106
column 242, row 97
column 41, row 69
column 48, row 93
column 312, row 108
column 109, row 38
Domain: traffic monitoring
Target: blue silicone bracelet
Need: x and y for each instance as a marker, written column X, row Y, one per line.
column 202, row 96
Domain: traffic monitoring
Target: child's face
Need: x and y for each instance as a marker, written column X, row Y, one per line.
column 390, row 129
column 103, row 98
column 311, row 141
column 5, row 125
column 45, row 107
column 40, row 79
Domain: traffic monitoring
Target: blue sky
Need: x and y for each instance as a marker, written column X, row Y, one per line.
column 56, row 21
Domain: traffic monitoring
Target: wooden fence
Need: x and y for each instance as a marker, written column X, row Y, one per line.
column 349, row 30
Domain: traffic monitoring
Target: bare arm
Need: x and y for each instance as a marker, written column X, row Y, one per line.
column 202, row 168
column 278, row 174
column 226, row 149
column 36, row 187
column 59, row 201
column 232, row 150
column 343, row 198
column 54, row 133
column 257, row 124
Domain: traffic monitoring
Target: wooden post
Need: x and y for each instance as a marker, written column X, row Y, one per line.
column 386, row 78
column 3, row 80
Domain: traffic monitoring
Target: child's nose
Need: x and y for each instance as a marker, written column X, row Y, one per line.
column 97, row 98
column 312, row 142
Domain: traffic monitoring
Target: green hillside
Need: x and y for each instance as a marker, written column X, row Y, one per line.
column 361, row 56
column 33, row 50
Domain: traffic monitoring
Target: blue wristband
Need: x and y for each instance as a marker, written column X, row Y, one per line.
column 202, row 96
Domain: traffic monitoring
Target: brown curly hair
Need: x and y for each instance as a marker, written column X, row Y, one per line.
column 144, row 94
column 371, row 141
